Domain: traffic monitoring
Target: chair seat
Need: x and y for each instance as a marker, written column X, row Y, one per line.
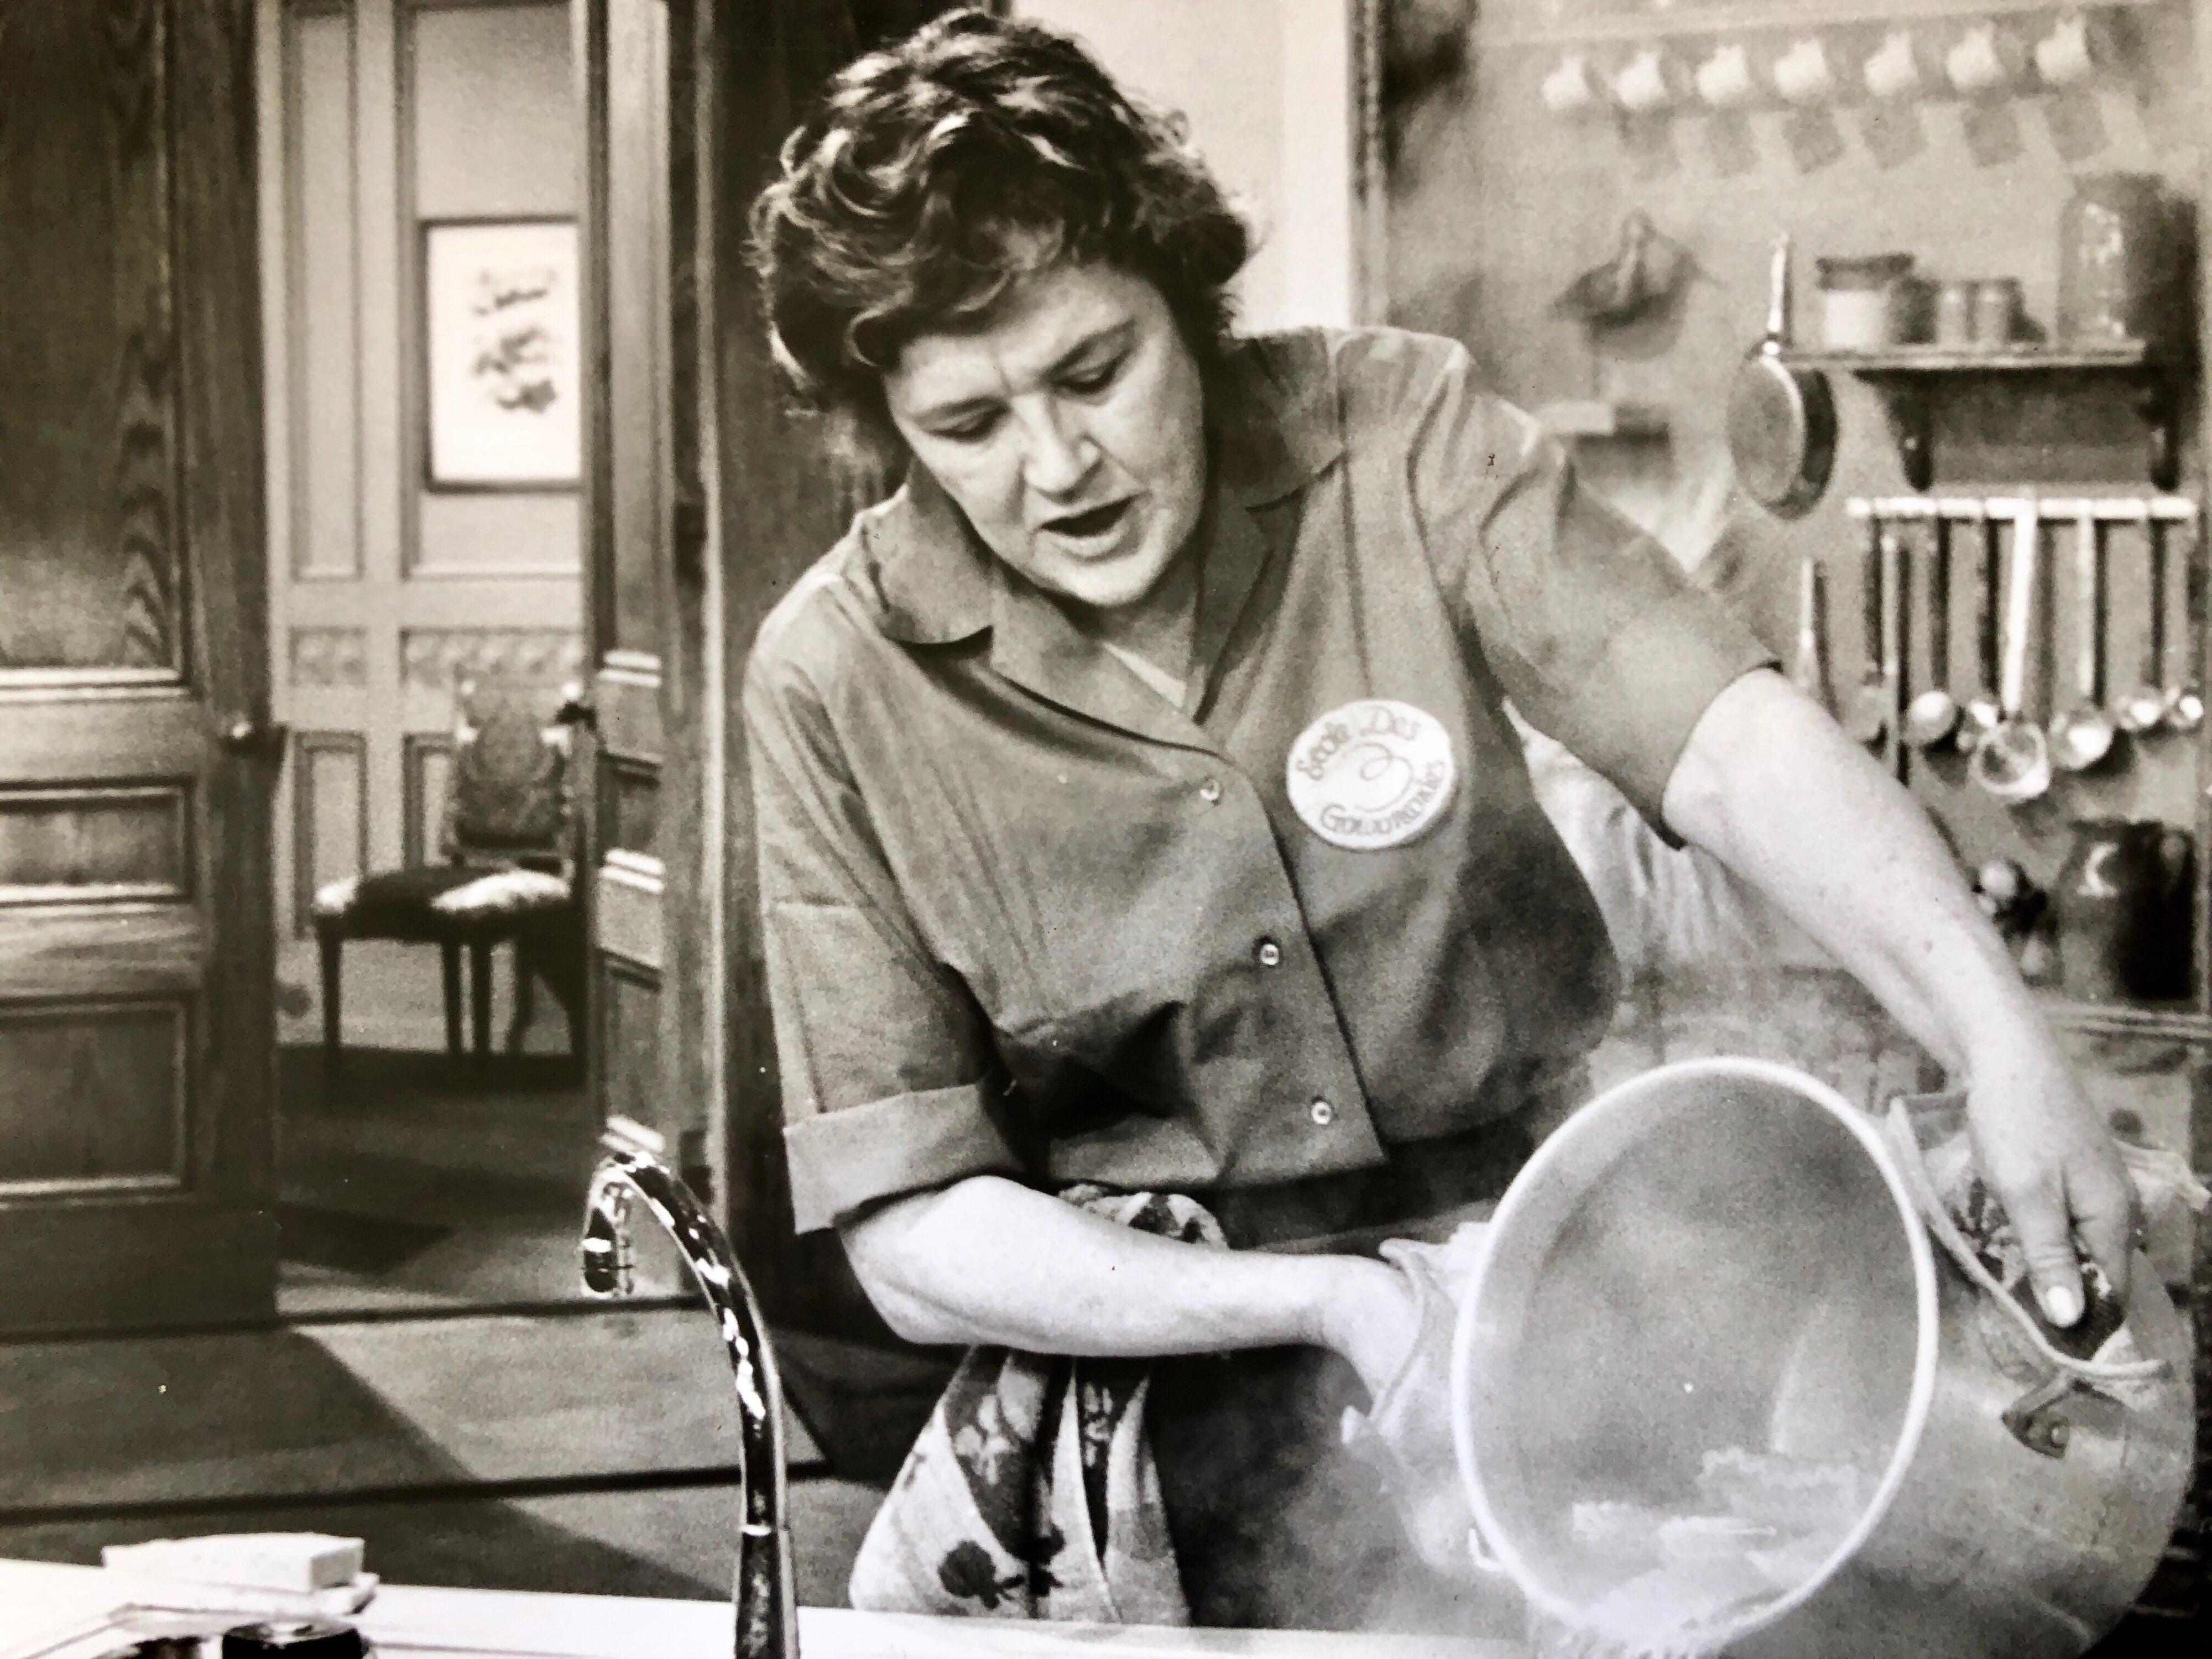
column 437, row 901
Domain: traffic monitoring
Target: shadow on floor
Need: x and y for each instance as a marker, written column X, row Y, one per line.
column 422, row 1181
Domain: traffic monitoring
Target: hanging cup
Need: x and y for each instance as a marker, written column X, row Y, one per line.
column 1802, row 74
column 1985, row 60
column 2066, row 57
column 1644, row 88
column 1570, row 88
column 1725, row 80
column 1894, row 71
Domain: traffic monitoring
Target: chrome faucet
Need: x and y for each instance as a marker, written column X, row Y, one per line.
column 766, row 1603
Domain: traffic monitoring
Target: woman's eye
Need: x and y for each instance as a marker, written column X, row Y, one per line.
column 969, row 431
column 1086, row 380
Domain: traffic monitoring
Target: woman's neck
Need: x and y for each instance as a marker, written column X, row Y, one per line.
column 1160, row 626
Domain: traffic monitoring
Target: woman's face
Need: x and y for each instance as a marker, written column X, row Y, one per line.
column 1070, row 429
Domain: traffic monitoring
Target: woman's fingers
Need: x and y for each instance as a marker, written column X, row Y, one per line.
column 2046, row 1239
column 2108, row 1217
column 2054, row 1165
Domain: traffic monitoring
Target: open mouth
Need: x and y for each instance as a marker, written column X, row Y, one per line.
column 1096, row 521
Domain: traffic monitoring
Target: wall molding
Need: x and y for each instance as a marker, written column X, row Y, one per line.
column 417, row 750
column 306, row 746
column 329, row 659
column 432, row 658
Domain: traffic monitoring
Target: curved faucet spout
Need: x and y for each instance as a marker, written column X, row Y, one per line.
column 766, row 1601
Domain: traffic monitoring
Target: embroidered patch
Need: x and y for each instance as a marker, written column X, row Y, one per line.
column 1372, row 773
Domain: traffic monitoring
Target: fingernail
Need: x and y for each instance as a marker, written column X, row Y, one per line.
column 2062, row 1302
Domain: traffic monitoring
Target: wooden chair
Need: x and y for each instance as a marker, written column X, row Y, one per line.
column 506, row 873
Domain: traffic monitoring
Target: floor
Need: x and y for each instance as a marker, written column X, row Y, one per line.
column 415, row 1181
column 440, row 1388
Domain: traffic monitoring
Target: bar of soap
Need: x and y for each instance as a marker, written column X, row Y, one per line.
column 301, row 1562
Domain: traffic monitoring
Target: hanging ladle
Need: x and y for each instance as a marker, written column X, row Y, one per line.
column 2185, row 709
column 1932, row 717
column 1867, row 720
column 2013, row 761
column 1810, row 671
column 2143, row 710
column 1983, row 711
column 2082, row 735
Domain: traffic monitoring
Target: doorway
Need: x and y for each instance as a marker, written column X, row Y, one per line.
column 421, row 168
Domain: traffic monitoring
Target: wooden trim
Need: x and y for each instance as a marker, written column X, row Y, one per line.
column 2198, row 579
column 178, row 796
column 415, row 748
column 27, row 684
column 306, row 745
column 177, row 1178
column 628, row 924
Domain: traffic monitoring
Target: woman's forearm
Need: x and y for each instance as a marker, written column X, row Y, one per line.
column 1772, row 788
column 987, row 1260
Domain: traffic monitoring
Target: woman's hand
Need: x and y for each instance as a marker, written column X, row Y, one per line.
column 1368, row 1315
column 1770, row 786
column 2050, row 1158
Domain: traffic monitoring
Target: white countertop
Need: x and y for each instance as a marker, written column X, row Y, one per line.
column 43, row 1606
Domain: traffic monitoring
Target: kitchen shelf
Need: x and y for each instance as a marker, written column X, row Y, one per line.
column 1908, row 378
column 1523, row 26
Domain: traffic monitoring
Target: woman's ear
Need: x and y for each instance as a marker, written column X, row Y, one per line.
column 867, row 456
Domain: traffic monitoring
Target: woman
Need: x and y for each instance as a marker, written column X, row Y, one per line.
column 1137, row 805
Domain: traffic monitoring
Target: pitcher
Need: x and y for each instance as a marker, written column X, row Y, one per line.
column 2122, row 908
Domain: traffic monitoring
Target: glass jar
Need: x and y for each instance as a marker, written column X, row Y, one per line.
column 2114, row 259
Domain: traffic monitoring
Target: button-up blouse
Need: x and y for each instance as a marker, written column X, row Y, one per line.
column 1023, row 915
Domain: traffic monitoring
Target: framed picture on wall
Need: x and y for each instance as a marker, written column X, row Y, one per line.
column 501, row 364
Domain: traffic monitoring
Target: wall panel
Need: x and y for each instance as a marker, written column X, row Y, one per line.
column 325, row 348
column 330, row 827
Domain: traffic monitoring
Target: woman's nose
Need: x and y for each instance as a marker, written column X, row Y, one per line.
column 1060, row 457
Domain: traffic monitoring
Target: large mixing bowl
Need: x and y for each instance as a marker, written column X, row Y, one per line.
column 1713, row 1388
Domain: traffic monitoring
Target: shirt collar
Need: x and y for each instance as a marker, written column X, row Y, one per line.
column 1274, row 429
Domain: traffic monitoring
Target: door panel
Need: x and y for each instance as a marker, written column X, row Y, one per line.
column 623, row 51
column 135, row 1077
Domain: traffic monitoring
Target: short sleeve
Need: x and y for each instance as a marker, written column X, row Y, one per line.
column 1594, row 631
column 886, row 1061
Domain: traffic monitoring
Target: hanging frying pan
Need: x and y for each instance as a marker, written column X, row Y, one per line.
column 1781, row 421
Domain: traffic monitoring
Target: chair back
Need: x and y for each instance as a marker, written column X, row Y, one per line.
column 508, row 790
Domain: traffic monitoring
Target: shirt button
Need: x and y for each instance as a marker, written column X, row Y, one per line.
column 1322, row 1113
column 1270, row 953
column 1210, row 791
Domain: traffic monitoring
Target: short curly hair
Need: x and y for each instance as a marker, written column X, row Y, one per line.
column 934, row 174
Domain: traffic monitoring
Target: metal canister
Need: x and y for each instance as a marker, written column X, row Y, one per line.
column 1983, row 1502
column 1997, row 311
column 1954, row 314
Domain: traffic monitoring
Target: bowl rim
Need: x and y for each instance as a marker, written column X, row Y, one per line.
column 1630, row 1095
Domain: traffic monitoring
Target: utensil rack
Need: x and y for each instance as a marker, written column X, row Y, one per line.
column 1899, row 530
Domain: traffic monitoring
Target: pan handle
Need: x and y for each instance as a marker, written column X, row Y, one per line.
column 1778, row 296
column 1810, row 680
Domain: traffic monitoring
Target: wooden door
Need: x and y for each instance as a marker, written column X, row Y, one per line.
column 654, row 1010
column 136, row 1047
